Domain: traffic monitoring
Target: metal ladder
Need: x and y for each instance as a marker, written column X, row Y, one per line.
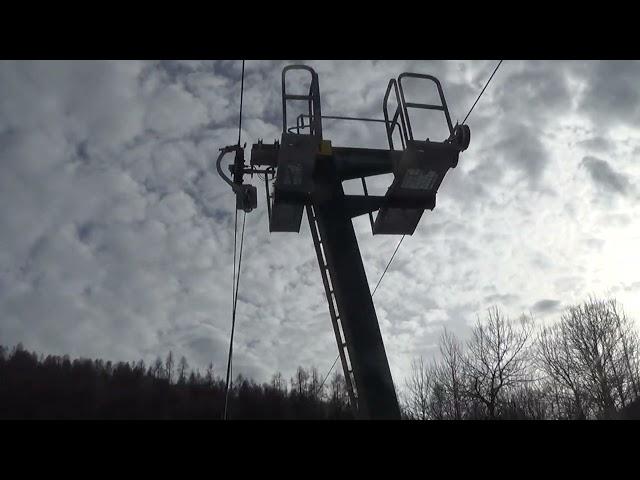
column 335, row 317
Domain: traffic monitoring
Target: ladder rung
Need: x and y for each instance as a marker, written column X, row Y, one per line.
column 297, row 97
column 424, row 105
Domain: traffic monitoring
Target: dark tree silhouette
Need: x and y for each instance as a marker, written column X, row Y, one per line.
column 54, row 387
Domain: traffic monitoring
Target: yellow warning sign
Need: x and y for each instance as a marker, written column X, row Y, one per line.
column 325, row 147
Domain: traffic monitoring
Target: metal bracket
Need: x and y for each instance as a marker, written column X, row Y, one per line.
column 246, row 195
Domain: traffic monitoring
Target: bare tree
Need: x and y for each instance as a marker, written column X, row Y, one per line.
column 300, row 382
column 338, row 397
column 496, row 359
column 140, row 368
column 209, row 376
column 628, row 374
column 418, row 391
column 449, row 377
column 529, row 401
column 278, row 382
column 338, row 389
column 157, row 368
column 183, row 367
column 168, row 366
column 439, row 401
column 594, row 354
column 557, row 359
column 316, row 388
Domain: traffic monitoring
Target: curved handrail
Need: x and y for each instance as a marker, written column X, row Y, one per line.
column 440, row 92
column 398, row 112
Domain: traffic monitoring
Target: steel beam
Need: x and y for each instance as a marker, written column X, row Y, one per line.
column 375, row 390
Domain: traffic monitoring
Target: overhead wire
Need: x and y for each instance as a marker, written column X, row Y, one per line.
column 229, row 379
column 485, row 87
column 387, row 267
column 241, row 95
column 327, row 375
column 236, row 278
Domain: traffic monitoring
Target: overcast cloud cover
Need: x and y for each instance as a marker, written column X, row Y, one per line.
column 116, row 234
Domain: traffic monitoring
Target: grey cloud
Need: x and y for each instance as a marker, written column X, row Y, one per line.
column 614, row 219
column 173, row 112
column 594, row 243
column 604, row 176
column 523, row 150
column 597, row 144
column 502, row 299
column 611, row 96
column 90, row 100
column 534, row 90
column 632, row 287
column 487, row 172
column 541, row 260
column 546, row 305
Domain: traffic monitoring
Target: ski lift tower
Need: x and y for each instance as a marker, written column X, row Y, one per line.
column 309, row 172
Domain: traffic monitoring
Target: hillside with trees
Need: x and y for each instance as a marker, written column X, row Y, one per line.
column 38, row 387
column 584, row 366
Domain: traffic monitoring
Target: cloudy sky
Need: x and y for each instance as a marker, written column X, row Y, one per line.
column 116, row 234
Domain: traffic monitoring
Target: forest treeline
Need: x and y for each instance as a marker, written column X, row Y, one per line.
column 35, row 386
column 585, row 366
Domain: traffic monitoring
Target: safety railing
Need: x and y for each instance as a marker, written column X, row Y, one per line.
column 313, row 99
